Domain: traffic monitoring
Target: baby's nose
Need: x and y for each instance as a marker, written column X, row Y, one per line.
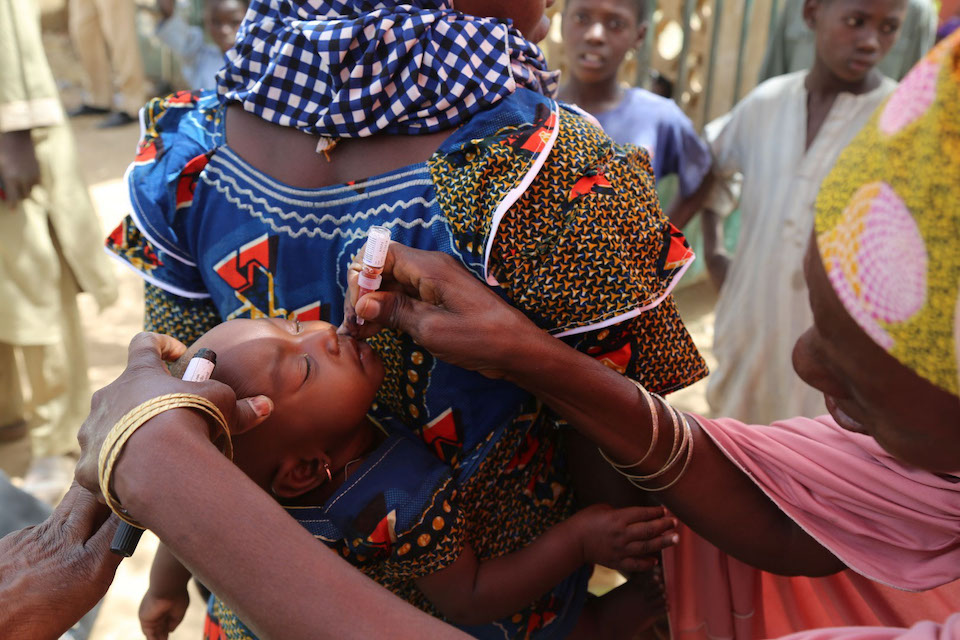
column 322, row 335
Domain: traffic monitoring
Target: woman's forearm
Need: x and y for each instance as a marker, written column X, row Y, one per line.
column 246, row 548
column 714, row 497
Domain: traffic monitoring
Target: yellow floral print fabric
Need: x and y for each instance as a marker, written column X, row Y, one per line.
column 888, row 221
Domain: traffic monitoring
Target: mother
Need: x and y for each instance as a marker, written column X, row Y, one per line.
column 434, row 120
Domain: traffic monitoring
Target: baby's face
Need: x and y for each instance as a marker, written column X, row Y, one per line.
column 321, row 384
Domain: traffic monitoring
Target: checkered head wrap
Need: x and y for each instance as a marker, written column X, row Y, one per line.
column 354, row 68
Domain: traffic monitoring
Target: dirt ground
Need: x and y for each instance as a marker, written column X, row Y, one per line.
column 105, row 155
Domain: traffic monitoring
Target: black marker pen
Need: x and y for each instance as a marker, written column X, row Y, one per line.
column 200, row 368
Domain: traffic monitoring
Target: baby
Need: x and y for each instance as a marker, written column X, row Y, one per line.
column 387, row 503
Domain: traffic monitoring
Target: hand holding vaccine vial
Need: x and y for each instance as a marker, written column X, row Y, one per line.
column 374, row 257
column 200, row 368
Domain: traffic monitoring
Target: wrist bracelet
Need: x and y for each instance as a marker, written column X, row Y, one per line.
column 655, row 426
column 676, row 449
column 688, row 438
column 134, row 419
column 682, row 447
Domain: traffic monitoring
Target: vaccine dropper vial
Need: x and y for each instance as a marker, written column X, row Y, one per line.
column 374, row 257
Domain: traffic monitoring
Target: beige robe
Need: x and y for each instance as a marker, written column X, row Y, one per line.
column 50, row 247
column 763, row 306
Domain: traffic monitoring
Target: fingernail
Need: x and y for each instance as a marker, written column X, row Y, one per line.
column 674, row 539
column 261, row 405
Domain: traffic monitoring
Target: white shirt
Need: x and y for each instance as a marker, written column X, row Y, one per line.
column 763, row 306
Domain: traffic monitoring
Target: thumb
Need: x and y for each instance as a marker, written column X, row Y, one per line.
column 149, row 350
column 251, row 412
column 98, row 547
column 395, row 310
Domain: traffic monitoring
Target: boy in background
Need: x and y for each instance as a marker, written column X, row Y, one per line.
column 784, row 138
column 598, row 34
column 200, row 61
column 791, row 44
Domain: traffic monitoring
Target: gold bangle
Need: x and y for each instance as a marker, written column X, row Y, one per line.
column 654, row 422
column 682, row 443
column 682, row 447
column 688, row 438
column 136, row 418
column 676, row 449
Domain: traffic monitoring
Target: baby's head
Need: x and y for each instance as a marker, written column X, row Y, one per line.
column 321, row 384
column 528, row 16
column 853, row 36
column 221, row 20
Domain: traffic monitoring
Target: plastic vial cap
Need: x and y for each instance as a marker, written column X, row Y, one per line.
column 378, row 240
column 369, row 283
column 125, row 540
column 206, row 354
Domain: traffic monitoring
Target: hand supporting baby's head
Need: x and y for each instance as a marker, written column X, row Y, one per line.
column 321, row 384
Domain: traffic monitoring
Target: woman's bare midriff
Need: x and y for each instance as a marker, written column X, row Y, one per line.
column 290, row 156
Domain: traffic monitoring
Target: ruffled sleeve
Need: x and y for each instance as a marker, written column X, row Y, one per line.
column 584, row 250
column 587, row 245
column 179, row 136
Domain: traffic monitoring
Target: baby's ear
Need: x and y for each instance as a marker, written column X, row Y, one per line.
column 297, row 476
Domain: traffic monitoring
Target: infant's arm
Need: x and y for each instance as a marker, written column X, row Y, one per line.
column 168, row 575
column 167, row 598
column 472, row 592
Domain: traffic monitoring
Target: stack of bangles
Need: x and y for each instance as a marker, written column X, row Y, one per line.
column 682, row 448
column 136, row 418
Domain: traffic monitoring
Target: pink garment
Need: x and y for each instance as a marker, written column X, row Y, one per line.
column 889, row 523
column 949, row 630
